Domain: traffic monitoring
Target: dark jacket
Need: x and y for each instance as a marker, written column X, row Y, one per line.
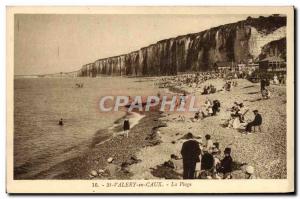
column 263, row 84
column 226, row 164
column 257, row 120
column 126, row 125
column 190, row 151
column 207, row 161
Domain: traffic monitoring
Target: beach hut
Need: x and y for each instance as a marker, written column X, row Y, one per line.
column 274, row 63
column 224, row 66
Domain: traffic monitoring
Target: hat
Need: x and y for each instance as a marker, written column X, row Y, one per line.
column 207, row 136
column 189, row 135
column 227, row 150
column 250, row 169
column 255, row 111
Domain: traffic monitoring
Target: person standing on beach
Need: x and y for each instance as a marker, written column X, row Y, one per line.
column 190, row 152
column 126, row 127
column 262, row 84
column 61, row 122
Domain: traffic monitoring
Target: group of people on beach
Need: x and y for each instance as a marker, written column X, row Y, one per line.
column 190, row 80
column 79, row 85
column 210, row 109
column 209, row 160
column 237, row 118
column 280, row 79
column 229, row 84
column 205, row 160
column 209, row 89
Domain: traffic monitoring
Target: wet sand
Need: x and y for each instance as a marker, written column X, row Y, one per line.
column 116, row 146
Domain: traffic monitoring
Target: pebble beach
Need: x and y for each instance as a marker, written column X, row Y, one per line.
column 156, row 135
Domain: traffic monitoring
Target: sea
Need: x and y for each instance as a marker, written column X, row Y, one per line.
column 39, row 103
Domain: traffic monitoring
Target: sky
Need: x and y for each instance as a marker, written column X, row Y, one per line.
column 51, row 43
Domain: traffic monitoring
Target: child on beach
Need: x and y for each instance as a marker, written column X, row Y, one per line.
column 217, row 163
column 226, row 164
column 209, row 143
column 126, row 127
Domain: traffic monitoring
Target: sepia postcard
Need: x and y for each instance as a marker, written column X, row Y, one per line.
column 153, row 100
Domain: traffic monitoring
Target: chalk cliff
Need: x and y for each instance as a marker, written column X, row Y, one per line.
column 237, row 42
column 274, row 48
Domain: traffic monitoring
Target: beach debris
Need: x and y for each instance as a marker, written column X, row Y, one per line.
column 132, row 160
column 93, row 173
column 165, row 172
column 112, row 169
column 91, row 177
column 101, row 171
column 153, row 137
column 110, row 160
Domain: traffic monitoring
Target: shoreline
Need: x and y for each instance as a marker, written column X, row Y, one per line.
column 120, row 148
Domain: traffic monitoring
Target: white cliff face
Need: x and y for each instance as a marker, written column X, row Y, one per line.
column 236, row 42
column 258, row 40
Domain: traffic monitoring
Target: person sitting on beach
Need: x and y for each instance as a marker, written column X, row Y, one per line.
column 227, row 86
column 176, row 162
column 196, row 116
column 126, row 127
column 208, row 106
column 234, row 117
column 207, row 165
column 242, row 112
column 226, row 164
column 266, row 94
column 256, row 122
column 234, row 83
column 216, row 107
column 237, row 116
column 61, row 122
column 190, row 152
column 249, row 173
column 212, row 89
column 205, row 90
